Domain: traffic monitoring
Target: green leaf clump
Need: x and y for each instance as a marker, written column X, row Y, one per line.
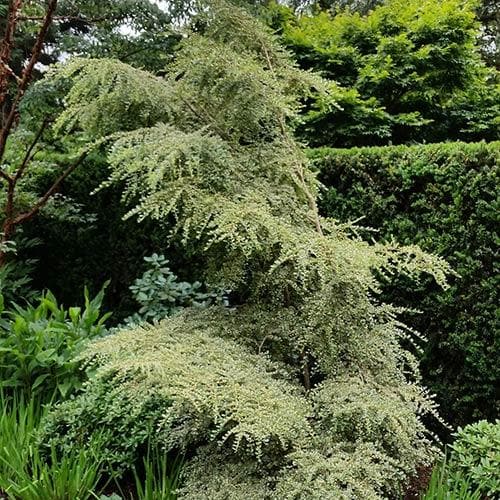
column 38, row 344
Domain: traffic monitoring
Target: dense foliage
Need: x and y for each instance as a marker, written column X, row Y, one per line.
column 38, row 344
column 443, row 197
column 305, row 372
column 409, row 70
column 263, row 353
column 475, row 454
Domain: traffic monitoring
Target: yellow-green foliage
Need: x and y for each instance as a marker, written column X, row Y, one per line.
column 291, row 393
column 406, row 71
column 247, row 403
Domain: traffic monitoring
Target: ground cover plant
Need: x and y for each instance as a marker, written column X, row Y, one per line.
column 301, row 388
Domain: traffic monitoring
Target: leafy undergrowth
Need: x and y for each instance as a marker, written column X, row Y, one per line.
column 28, row 474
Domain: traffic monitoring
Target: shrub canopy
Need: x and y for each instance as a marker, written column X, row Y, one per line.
column 406, row 71
column 304, row 375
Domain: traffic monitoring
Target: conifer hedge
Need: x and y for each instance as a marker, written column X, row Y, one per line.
column 443, row 197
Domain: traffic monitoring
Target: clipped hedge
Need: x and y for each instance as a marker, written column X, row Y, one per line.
column 443, row 197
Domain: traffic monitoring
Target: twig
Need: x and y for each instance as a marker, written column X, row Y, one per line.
column 5, row 176
column 9, row 71
column 68, row 18
column 28, row 156
column 43, row 200
column 27, row 72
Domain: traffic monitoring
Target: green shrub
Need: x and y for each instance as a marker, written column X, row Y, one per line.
column 406, row 71
column 156, row 381
column 160, row 294
column 475, row 455
column 249, row 388
column 442, row 197
column 38, row 344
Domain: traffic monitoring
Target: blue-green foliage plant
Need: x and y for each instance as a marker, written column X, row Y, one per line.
column 38, row 344
column 160, row 294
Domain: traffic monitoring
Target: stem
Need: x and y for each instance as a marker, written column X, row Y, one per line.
column 6, row 48
column 28, row 156
column 9, row 115
column 311, row 199
column 28, row 70
column 43, row 200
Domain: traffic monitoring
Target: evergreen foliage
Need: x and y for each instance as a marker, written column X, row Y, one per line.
column 250, row 390
column 137, row 31
column 444, row 198
column 475, row 455
column 160, row 294
column 406, row 71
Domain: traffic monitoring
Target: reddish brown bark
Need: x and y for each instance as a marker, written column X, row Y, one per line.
column 6, row 48
column 10, row 109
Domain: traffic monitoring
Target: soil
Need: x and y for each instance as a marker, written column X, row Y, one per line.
column 418, row 483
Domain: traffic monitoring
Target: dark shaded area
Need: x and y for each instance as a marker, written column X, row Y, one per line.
column 96, row 244
column 443, row 197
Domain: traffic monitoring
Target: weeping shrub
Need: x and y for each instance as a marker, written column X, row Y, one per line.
column 248, row 390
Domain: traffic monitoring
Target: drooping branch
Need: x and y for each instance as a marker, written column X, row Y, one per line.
column 68, row 18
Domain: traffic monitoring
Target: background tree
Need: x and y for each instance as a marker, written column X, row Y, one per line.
column 11, row 175
column 489, row 15
column 404, row 72
column 137, row 31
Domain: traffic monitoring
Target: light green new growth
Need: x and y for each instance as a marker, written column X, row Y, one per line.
column 302, row 390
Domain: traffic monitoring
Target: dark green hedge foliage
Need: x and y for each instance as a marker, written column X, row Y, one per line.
column 443, row 197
